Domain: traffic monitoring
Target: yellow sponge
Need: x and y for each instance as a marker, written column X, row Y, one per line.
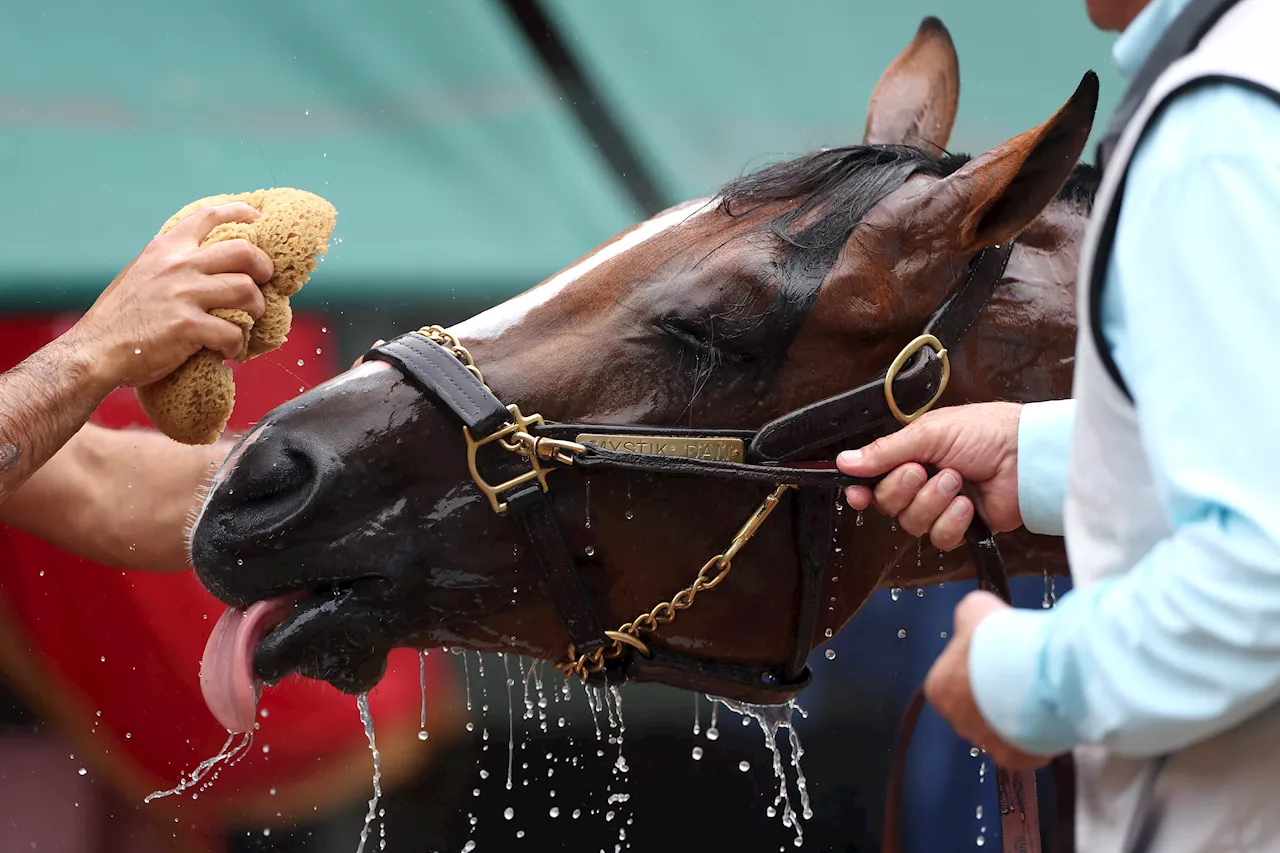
column 193, row 404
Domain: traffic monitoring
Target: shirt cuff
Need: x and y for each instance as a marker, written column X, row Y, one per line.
column 1005, row 675
column 1044, row 447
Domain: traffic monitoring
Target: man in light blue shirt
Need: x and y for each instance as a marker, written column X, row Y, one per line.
column 1186, row 644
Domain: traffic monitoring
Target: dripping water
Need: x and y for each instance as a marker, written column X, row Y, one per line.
column 362, row 703
column 511, row 720
column 587, row 500
column 466, row 674
column 422, row 685
column 713, row 732
column 696, row 712
column 232, row 751
column 771, row 718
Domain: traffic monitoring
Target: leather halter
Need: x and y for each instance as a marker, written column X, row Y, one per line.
column 910, row 386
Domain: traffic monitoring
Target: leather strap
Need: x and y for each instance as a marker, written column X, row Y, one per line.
column 822, row 475
column 442, row 377
column 856, row 416
column 560, row 579
column 815, row 523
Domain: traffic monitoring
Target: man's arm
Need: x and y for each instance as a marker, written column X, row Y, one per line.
column 122, row 498
column 146, row 323
column 1187, row 644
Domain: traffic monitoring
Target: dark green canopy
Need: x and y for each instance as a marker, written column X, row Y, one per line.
column 443, row 131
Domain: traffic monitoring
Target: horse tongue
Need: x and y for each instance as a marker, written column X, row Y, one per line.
column 226, row 669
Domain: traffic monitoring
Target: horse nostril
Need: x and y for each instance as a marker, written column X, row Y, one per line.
column 285, row 473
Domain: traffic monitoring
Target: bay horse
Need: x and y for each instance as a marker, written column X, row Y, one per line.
column 349, row 522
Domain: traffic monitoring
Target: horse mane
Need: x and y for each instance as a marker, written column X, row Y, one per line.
column 835, row 188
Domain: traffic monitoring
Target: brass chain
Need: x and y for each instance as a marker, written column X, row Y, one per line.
column 709, row 576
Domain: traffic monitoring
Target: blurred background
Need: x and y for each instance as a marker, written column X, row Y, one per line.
column 472, row 149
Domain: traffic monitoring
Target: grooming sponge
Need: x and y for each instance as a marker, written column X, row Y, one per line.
column 193, row 404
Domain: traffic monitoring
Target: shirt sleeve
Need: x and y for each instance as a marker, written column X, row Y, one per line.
column 1187, row 643
column 1044, row 445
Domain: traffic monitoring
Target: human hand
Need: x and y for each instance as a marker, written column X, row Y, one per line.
column 948, row 689
column 977, row 442
column 154, row 315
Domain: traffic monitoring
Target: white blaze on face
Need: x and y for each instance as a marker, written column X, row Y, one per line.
column 495, row 321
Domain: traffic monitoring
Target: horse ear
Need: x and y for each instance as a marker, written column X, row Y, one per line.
column 1001, row 191
column 914, row 102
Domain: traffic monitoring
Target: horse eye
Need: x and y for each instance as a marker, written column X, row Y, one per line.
column 701, row 337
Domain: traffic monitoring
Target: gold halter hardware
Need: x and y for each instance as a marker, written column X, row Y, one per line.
column 516, row 438
column 908, row 351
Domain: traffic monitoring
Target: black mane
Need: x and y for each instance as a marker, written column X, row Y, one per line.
column 843, row 184
column 836, row 188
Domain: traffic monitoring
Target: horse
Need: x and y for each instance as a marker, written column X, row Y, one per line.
column 349, row 522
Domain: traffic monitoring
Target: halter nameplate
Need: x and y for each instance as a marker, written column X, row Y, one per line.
column 683, row 446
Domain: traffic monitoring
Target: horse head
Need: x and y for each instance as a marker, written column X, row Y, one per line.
column 350, row 512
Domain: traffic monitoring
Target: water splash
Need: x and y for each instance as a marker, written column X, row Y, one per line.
column 362, row 703
column 232, row 751
column 772, row 718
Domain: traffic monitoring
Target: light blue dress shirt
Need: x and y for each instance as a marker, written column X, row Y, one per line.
column 1187, row 643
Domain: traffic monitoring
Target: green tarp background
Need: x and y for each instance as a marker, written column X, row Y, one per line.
column 456, row 169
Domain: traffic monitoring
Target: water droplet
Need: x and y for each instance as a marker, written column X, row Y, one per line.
column 317, row 350
column 128, row 735
column 82, row 771
column 266, row 747
column 484, row 774
column 920, row 592
column 263, row 713
column 902, row 633
column 306, row 112
column 697, row 753
column 978, row 813
column 943, row 635
column 137, row 351
column 422, row 735
column 560, row 722
column 831, row 654
column 973, row 752
column 468, row 847
column 509, row 813
column 576, row 814
column 520, row 833
column 771, row 811
column 324, row 330
column 858, row 521
column 609, row 815
column 272, row 792
column 982, row 839
column 894, row 593
column 300, row 362
column 471, row 727
column 744, row 765
column 629, row 515
column 103, row 658
column 475, row 792
column 590, row 551
column 713, row 733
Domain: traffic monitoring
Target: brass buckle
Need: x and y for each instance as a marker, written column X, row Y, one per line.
column 519, row 426
column 908, row 351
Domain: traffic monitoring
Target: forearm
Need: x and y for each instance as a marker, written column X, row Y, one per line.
column 43, row 402
column 123, row 498
column 1180, row 648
